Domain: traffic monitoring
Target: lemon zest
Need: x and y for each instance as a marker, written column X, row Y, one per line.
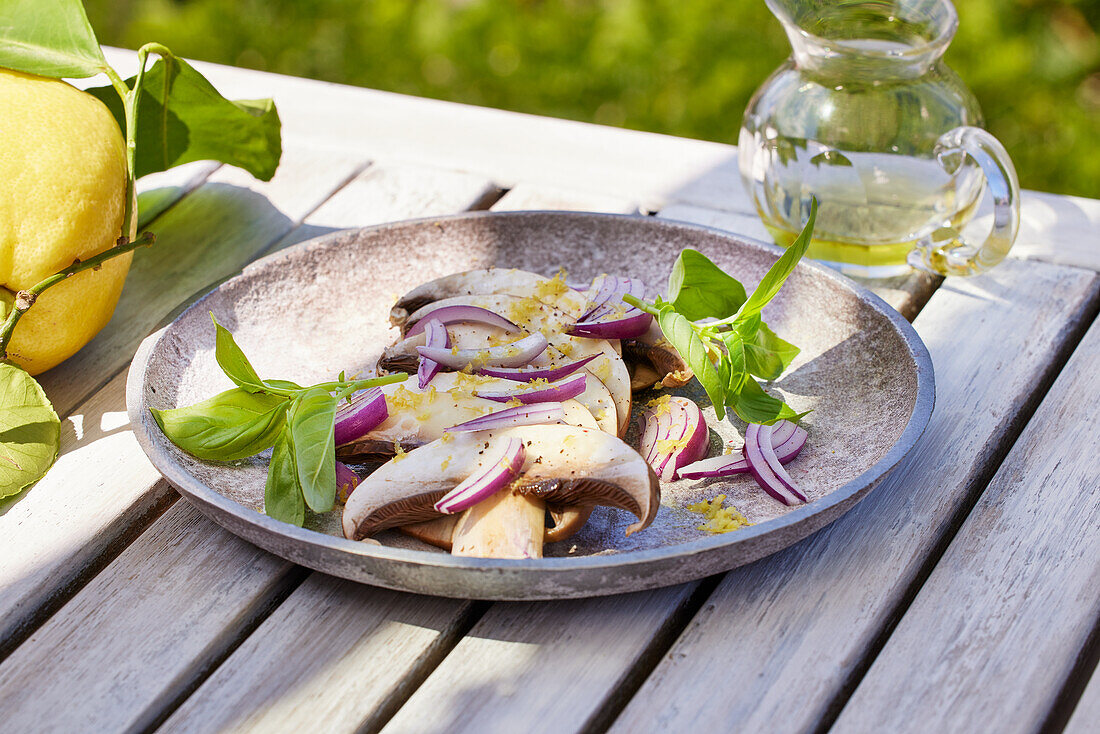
column 719, row 519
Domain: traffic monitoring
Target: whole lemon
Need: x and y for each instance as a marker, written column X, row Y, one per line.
column 62, row 197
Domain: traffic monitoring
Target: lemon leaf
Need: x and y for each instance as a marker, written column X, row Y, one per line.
column 183, row 118
column 30, row 432
column 50, row 38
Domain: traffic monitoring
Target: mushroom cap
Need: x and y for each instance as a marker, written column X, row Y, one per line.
column 509, row 281
column 533, row 315
column 566, row 466
column 417, row 417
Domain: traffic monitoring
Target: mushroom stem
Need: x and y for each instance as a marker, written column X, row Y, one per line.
column 505, row 525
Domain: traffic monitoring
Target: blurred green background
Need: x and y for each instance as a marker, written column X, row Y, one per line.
column 682, row 67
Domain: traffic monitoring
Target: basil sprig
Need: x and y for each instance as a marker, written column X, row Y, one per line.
column 297, row 423
column 718, row 331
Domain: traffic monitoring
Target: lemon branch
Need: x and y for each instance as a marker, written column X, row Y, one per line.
column 24, row 299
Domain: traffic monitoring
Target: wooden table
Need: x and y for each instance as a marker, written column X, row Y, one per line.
column 962, row 596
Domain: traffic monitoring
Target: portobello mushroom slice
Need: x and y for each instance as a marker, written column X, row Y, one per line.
column 417, row 417
column 509, row 281
column 565, row 467
column 532, row 315
column 653, row 361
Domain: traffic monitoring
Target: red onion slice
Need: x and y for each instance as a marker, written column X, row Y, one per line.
column 523, row 374
column 608, row 317
column 346, row 481
column 360, row 416
column 631, row 325
column 677, row 430
column 456, row 314
column 533, row 392
column 787, row 440
column 493, row 476
column 602, row 288
column 766, row 468
column 507, row 355
column 520, row 415
column 657, row 422
column 674, row 435
column 609, row 290
column 436, row 337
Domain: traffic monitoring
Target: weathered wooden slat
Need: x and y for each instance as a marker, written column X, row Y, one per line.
column 1013, row 600
column 542, row 667
column 777, row 644
column 391, row 192
column 59, row 532
column 134, row 485
column 524, row 196
column 334, row 652
column 907, row 293
column 1059, row 229
column 1087, row 712
column 209, row 235
column 103, row 490
column 128, row 644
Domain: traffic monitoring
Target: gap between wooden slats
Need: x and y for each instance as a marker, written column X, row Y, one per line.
column 1087, row 711
column 184, row 647
column 655, row 170
column 995, row 631
column 811, row 618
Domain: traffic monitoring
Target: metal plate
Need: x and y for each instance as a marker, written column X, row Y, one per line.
column 306, row 313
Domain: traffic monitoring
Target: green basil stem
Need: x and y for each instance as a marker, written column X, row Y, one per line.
column 25, row 299
column 343, row 387
column 705, row 332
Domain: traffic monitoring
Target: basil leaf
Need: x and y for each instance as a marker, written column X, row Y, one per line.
column 231, row 425
column 232, row 360
column 30, row 432
column 773, row 280
column 698, row 289
column 677, row 329
column 312, row 426
column 52, row 38
column 766, row 355
column 753, row 405
column 282, row 493
column 182, row 118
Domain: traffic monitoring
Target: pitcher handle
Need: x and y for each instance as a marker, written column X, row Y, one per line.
column 952, row 255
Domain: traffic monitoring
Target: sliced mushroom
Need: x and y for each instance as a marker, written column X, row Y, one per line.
column 532, row 315
column 565, row 467
column 521, row 283
column 652, row 355
column 417, row 417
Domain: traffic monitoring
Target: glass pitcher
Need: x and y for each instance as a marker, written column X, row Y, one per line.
column 867, row 117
